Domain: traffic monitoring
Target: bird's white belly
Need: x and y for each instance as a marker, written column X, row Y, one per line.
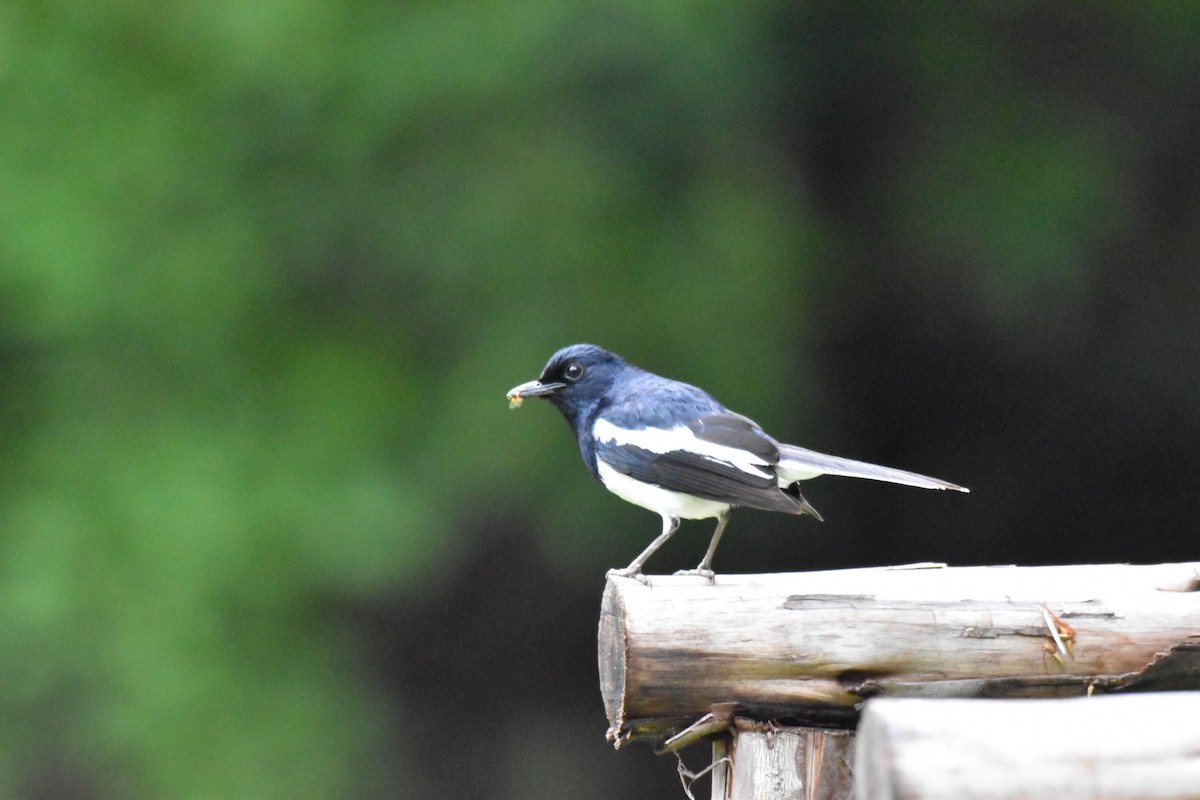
column 657, row 499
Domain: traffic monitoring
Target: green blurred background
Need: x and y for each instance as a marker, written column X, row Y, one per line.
column 267, row 527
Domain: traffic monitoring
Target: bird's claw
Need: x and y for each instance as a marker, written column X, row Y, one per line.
column 628, row 572
column 703, row 572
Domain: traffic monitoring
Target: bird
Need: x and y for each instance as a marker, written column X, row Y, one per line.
column 671, row 448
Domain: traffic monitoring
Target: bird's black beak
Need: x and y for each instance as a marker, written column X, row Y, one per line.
column 531, row 389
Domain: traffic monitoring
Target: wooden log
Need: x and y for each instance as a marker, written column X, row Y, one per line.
column 1141, row 745
column 772, row 763
column 807, row 648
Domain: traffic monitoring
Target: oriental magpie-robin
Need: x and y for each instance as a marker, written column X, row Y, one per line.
column 673, row 449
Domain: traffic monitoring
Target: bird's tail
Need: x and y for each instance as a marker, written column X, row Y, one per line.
column 798, row 464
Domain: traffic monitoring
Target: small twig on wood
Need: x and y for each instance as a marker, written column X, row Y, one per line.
column 717, row 720
column 1061, row 633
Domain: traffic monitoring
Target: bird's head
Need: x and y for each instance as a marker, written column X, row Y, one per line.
column 574, row 380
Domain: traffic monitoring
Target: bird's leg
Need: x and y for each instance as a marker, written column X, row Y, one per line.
column 705, row 568
column 634, row 570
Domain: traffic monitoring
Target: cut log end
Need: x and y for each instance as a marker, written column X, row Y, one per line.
column 612, row 655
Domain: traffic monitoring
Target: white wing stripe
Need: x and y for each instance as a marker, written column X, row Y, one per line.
column 666, row 440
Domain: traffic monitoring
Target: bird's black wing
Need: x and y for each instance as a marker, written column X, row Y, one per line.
column 738, row 467
column 740, row 433
column 699, row 476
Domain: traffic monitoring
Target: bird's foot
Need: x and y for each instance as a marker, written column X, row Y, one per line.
column 703, row 572
column 628, row 572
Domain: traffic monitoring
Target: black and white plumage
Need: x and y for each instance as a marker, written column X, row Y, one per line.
column 671, row 448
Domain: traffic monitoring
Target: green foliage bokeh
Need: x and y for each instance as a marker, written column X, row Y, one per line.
column 256, row 261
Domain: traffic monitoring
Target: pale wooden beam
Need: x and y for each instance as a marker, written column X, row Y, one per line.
column 1117, row 747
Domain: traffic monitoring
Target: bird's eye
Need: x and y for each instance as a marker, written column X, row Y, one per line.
column 574, row 371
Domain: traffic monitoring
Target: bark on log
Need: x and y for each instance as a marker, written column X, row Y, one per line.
column 1116, row 747
column 807, row 648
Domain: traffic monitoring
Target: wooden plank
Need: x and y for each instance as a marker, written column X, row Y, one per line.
column 807, row 648
column 1115, row 747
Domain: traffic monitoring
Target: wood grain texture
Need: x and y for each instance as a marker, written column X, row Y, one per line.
column 791, row 764
column 1117, row 747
